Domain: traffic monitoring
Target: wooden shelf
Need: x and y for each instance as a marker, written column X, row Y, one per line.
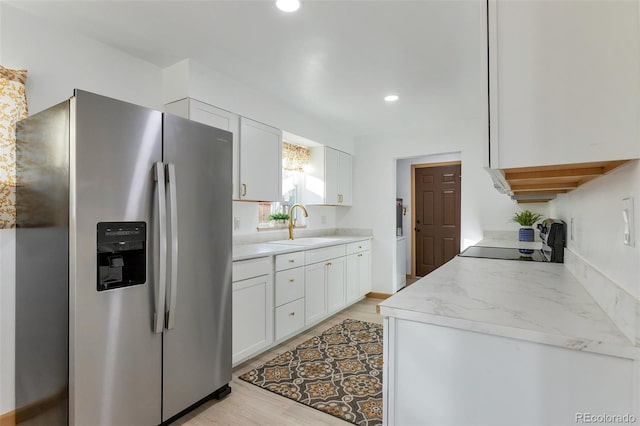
column 541, row 184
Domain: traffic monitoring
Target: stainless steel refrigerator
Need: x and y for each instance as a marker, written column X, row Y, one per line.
column 123, row 270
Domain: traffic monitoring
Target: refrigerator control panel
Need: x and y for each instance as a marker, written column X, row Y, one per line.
column 122, row 254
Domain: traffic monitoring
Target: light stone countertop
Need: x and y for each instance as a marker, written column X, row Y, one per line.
column 533, row 301
column 251, row 251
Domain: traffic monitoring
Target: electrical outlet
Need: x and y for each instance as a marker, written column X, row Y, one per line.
column 572, row 230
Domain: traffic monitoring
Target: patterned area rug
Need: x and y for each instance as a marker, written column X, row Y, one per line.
column 338, row 372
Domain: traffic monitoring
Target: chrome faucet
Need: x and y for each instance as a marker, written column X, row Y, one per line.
column 291, row 218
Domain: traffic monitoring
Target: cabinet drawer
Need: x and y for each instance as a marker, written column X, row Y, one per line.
column 358, row 246
column 289, row 285
column 289, row 318
column 244, row 269
column 289, row 260
column 322, row 254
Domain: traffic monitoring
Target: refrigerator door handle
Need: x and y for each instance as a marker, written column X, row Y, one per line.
column 158, row 316
column 173, row 264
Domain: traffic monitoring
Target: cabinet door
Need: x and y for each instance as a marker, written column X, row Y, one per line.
column 564, row 80
column 215, row 117
column 289, row 318
column 331, row 166
column 260, row 161
column 364, row 272
column 352, row 292
column 315, row 294
column 344, row 179
column 335, row 284
column 252, row 309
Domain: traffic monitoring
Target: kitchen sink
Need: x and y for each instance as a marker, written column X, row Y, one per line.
column 307, row 241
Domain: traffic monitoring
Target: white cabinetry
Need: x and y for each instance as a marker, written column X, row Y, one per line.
column 315, row 303
column 324, row 282
column 257, row 149
column 358, row 266
column 564, row 82
column 329, row 180
column 289, row 294
column 252, row 306
column 260, row 161
column 308, row 285
column 337, row 177
column 335, row 270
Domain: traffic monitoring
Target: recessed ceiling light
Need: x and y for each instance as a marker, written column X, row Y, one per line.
column 288, row 5
column 391, row 98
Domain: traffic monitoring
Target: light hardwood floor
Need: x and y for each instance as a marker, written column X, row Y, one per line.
column 250, row 405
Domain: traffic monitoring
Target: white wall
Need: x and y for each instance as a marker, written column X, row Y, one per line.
column 247, row 214
column 191, row 79
column 597, row 211
column 374, row 192
column 58, row 61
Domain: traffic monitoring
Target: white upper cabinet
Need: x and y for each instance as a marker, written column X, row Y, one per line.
column 260, row 161
column 257, row 149
column 215, row 117
column 564, row 82
column 329, row 181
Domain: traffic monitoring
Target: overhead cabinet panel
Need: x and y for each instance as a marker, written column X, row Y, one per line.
column 564, row 82
column 216, row 117
column 329, row 178
column 260, row 161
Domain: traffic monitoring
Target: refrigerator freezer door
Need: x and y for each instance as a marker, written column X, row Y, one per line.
column 197, row 350
column 115, row 358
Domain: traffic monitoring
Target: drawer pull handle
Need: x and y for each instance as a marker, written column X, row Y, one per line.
column 291, row 260
column 292, row 314
column 359, row 247
column 328, row 264
column 359, row 254
column 244, row 190
column 291, row 280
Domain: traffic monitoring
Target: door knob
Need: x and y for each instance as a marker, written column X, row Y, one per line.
column 416, row 229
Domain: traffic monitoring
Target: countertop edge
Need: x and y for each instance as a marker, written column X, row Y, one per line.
column 579, row 344
column 284, row 248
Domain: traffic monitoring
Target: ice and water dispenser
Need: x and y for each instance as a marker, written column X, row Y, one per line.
column 122, row 254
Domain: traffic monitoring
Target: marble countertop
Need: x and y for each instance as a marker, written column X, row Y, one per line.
column 534, row 301
column 251, row 251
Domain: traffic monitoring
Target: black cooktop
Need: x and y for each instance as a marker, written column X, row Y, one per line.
column 504, row 253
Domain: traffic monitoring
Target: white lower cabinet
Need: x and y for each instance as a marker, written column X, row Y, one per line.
column 335, row 284
column 276, row 297
column 252, row 309
column 314, row 293
column 289, row 318
column 358, row 267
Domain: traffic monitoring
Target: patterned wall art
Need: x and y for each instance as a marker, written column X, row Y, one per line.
column 13, row 107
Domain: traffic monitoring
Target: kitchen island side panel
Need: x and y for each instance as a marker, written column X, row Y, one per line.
column 443, row 375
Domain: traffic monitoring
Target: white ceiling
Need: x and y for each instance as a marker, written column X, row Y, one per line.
column 333, row 60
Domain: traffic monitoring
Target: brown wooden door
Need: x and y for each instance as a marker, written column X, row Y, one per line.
column 437, row 216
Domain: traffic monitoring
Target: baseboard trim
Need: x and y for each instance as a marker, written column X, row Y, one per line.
column 376, row 295
column 34, row 409
column 8, row 419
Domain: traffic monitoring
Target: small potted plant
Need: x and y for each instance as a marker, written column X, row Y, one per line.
column 526, row 219
column 279, row 217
